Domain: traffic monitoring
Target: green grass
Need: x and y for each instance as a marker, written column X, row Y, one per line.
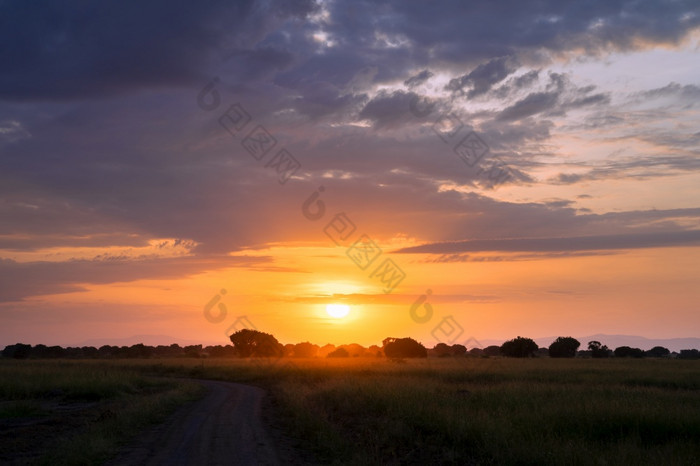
column 79, row 412
column 448, row 411
column 480, row 411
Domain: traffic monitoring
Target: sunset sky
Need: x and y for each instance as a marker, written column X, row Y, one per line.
column 535, row 165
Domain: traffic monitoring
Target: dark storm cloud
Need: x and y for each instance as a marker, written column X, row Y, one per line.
column 100, row 148
column 78, row 49
column 457, row 32
column 75, row 49
column 260, row 63
column 575, row 243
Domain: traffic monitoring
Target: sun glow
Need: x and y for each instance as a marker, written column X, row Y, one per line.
column 338, row 311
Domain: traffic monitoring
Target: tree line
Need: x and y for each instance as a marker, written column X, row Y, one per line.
column 252, row 343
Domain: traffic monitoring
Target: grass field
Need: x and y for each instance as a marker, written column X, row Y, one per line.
column 440, row 411
column 78, row 412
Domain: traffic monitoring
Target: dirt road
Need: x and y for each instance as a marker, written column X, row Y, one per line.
column 222, row 428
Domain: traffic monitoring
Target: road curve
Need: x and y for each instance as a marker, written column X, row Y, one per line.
column 222, row 428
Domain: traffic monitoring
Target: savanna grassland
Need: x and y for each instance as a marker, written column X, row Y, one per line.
column 79, row 412
column 428, row 411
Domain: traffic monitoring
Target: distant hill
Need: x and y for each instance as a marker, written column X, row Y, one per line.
column 614, row 341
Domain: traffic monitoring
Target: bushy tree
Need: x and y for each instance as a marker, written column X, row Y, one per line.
column 254, row 343
column 598, row 350
column 404, row 348
column 689, row 354
column 658, row 352
column 17, row 351
column 193, row 351
column 564, row 347
column 459, row 350
column 627, row 352
column 441, row 350
column 220, row 351
column 305, row 350
column 519, row 347
column 338, row 353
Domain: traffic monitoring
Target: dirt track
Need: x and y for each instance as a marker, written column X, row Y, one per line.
column 222, row 428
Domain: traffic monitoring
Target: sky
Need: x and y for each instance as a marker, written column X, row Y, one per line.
column 451, row 171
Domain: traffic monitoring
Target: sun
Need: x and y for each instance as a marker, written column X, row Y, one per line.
column 337, row 310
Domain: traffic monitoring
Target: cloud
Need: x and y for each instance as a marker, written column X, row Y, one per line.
column 687, row 92
column 22, row 280
column 103, row 144
column 633, row 168
column 394, row 298
column 451, row 258
column 12, row 131
column 559, row 96
column 418, row 79
column 71, row 50
column 517, row 83
column 574, row 243
column 483, row 77
column 322, row 99
column 388, row 109
column 534, row 103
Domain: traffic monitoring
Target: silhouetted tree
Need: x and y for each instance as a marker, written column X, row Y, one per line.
column 90, row 352
column 627, row 352
column 492, row 350
column 564, row 347
column 105, row 351
column 375, row 350
column 192, row 351
column 17, row 351
column 355, row 350
column 220, row 351
column 689, row 354
column 305, row 350
column 441, row 350
column 658, row 352
column 598, row 350
column 404, row 348
column 459, row 350
column 140, row 350
column 254, row 343
column 519, row 347
column 325, row 350
column 338, row 353
column 479, row 352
